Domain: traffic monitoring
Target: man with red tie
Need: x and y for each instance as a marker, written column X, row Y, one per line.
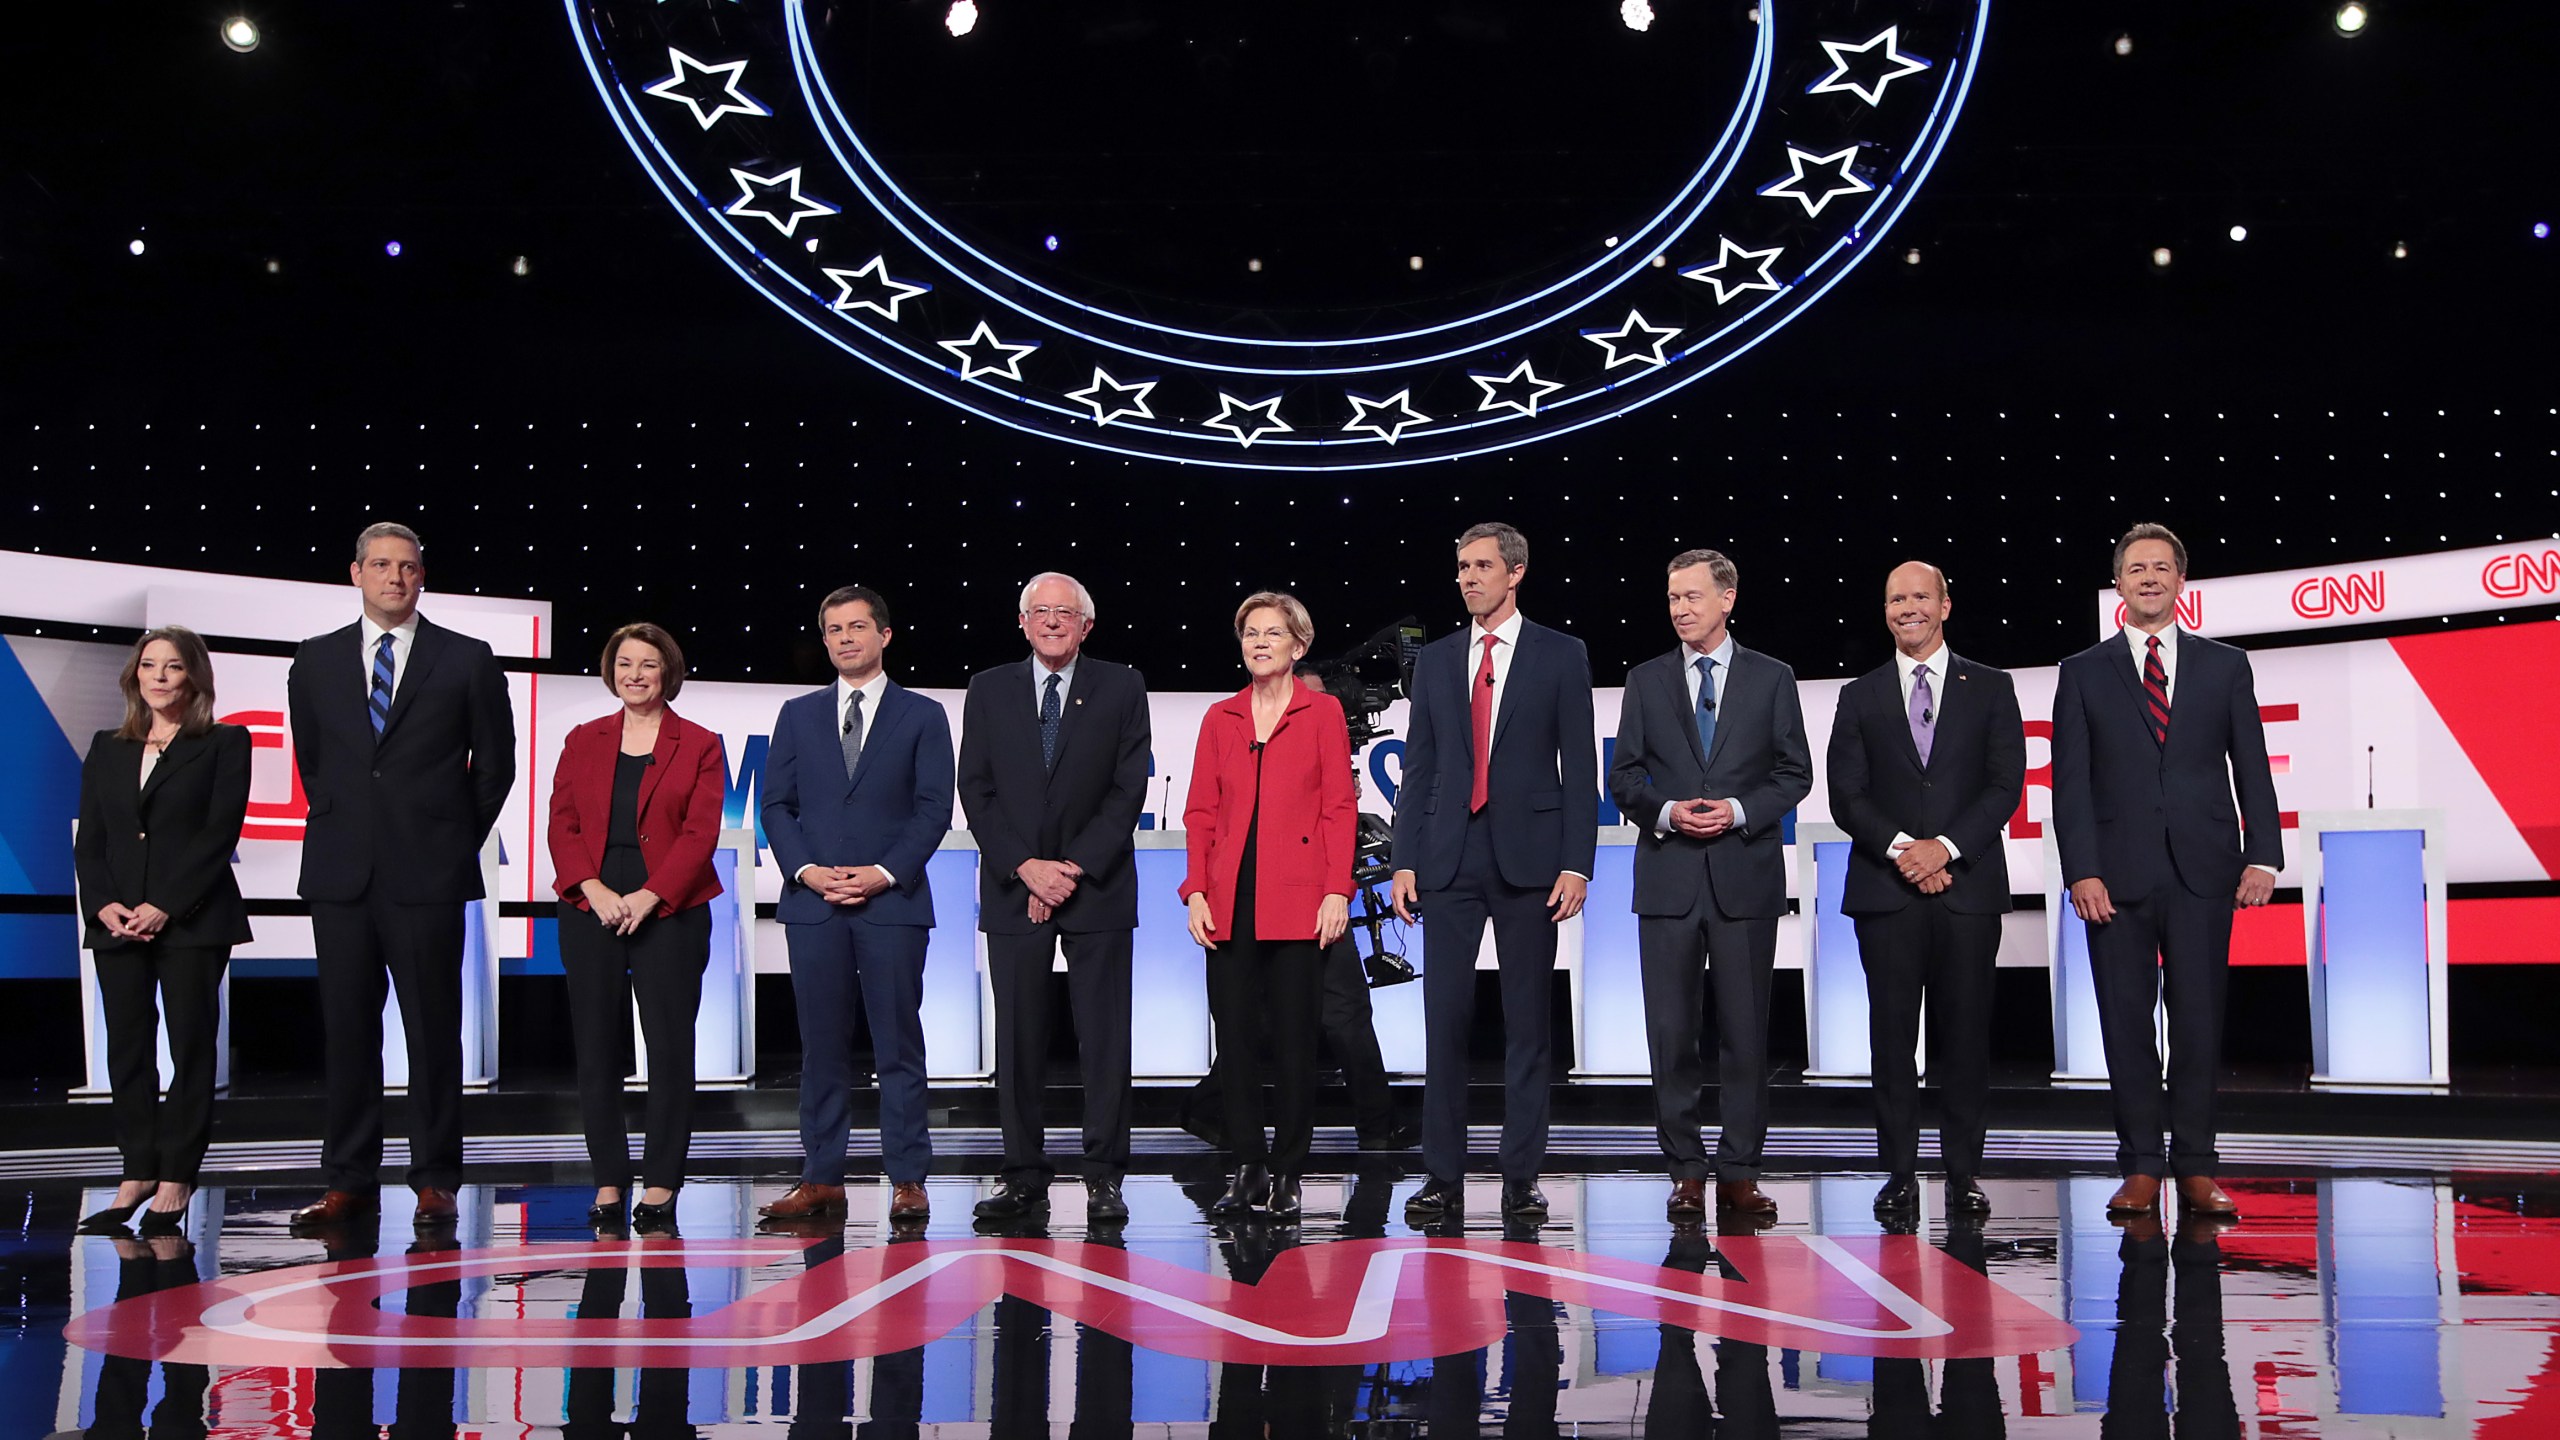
column 1497, row 819
column 2154, row 729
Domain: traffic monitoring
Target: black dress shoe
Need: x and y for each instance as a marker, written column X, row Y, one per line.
column 1394, row 1137
column 1900, row 1195
column 110, row 1220
column 1284, row 1197
column 606, row 1216
column 1103, row 1202
column 1250, row 1190
column 1523, row 1197
column 658, row 1219
column 1013, row 1200
column 162, row 1222
column 1436, row 1198
column 1964, row 1197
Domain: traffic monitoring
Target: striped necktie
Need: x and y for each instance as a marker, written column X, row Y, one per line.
column 379, row 701
column 2155, row 693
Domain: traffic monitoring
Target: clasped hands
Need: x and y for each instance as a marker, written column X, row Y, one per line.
column 133, row 922
column 1923, row 863
column 1052, row 882
column 620, row 914
column 845, row 884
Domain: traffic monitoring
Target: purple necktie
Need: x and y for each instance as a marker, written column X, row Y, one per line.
column 1924, row 712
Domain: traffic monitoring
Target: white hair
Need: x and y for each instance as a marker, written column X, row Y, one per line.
column 1084, row 597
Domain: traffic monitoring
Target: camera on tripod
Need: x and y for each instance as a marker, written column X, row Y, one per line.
column 1366, row 680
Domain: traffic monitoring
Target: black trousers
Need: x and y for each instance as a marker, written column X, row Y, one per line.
column 162, row 1139
column 1350, row 1032
column 368, row 949
column 660, row 965
column 1925, row 950
column 2171, row 945
column 1259, row 987
column 1524, row 947
column 1098, row 997
column 1680, row 956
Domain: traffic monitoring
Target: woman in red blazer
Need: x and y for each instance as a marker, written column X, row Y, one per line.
column 1271, row 825
column 635, row 817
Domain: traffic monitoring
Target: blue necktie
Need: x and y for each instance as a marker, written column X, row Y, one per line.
column 1049, row 724
column 380, row 701
column 1706, row 706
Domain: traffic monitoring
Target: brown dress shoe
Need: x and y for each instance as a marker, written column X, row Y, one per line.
column 435, row 1206
column 337, row 1207
column 907, row 1202
column 1688, row 1197
column 803, row 1202
column 2198, row 1195
column 2137, row 1193
column 1744, row 1197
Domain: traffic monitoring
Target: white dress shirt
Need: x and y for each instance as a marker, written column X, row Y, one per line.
column 1689, row 679
column 404, row 639
column 871, row 690
column 1040, row 673
column 1908, row 668
column 2138, row 641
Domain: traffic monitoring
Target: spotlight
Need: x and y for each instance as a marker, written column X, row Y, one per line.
column 274, row 266
column 1752, row 14
column 1411, row 262
column 2160, row 257
column 2124, row 43
column 2399, row 249
column 2352, row 18
column 2239, row 232
column 1254, row 265
column 1609, row 244
column 810, row 244
column 1911, row 256
column 521, row 268
column 1659, row 262
column 136, row 247
column 1049, row 243
column 240, row 33
column 2541, row 231
column 962, row 19
column 1637, row 13
column 391, row 248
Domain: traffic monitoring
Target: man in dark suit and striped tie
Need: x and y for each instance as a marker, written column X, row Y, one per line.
column 2154, row 729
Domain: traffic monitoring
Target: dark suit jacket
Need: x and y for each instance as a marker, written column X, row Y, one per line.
column 1761, row 759
column 168, row 843
column 1967, row 792
column 679, row 811
column 1544, row 772
column 1083, row 808
column 892, row 814
column 407, row 811
column 2117, row 793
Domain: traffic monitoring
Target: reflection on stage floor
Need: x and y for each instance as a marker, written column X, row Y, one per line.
column 2340, row 1303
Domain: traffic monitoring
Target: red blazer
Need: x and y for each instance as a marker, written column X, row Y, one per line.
column 1309, row 816
column 680, row 799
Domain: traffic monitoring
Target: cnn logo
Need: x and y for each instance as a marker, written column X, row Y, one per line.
column 2511, row 577
column 2322, row 596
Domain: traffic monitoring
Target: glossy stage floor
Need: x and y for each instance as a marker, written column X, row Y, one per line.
column 2357, row 1295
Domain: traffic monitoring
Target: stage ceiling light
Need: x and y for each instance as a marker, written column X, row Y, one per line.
column 391, row 248
column 2352, row 18
column 1637, row 13
column 274, row 266
column 136, row 247
column 2541, row 231
column 240, row 33
column 1411, row 262
column 2399, row 249
column 962, row 19
column 1253, row 265
column 2239, row 232
column 1049, row 243
column 2160, row 256
column 2124, row 44
column 1911, row 256
column 521, row 267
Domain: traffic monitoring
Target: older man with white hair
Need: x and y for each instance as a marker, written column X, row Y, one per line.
column 1053, row 773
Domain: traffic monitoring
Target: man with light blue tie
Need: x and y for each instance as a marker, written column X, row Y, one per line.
column 857, row 796
column 1711, row 757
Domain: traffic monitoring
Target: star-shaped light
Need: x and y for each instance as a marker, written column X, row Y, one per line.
column 882, row 293
column 708, row 107
column 1110, row 399
column 973, row 352
column 1634, row 341
column 1896, row 63
column 759, row 195
column 1727, row 252
column 1247, row 423
column 1520, row 390
column 1397, row 410
column 1844, row 181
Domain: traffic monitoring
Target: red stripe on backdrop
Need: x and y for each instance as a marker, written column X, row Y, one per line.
column 2497, row 689
column 2520, row 931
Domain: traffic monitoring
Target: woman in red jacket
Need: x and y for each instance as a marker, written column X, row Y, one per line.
column 635, row 817
column 1270, row 824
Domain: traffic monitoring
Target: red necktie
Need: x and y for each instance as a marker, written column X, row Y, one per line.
column 2155, row 692
column 1480, row 712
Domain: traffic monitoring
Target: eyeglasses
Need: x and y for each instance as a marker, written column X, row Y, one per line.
column 1054, row 612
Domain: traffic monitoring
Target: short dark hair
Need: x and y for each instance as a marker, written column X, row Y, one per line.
column 849, row 594
column 670, row 656
column 2148, row 531
column 197, row 717
column 1719, row 569
column 1513, row 545
column 387, row 530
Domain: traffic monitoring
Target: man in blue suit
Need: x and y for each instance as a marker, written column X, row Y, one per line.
column 2154, row 732
column 857, row 794
column 1497, row 819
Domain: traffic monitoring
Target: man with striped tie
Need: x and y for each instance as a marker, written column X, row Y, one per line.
column 2154, row 729
column 406, row 747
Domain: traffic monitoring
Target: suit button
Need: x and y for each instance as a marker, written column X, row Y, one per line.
column 377, row 774
column 142, row 835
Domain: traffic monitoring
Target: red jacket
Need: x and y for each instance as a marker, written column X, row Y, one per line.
column 679, row 821
column 1308, row 813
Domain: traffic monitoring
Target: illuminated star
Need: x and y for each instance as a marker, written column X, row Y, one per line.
column 1623, row 347
column 1500, row 392
column 1248, row 423
column 758, row 195
column 707, row 109
column 1726, row 254
column 1110, row 399
column 1847, row 182
column 1398, row 410
column 888, row 293
column 1897, row 65
column 984, row 339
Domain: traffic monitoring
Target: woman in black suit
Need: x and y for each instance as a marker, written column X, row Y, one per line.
column 161, row 801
